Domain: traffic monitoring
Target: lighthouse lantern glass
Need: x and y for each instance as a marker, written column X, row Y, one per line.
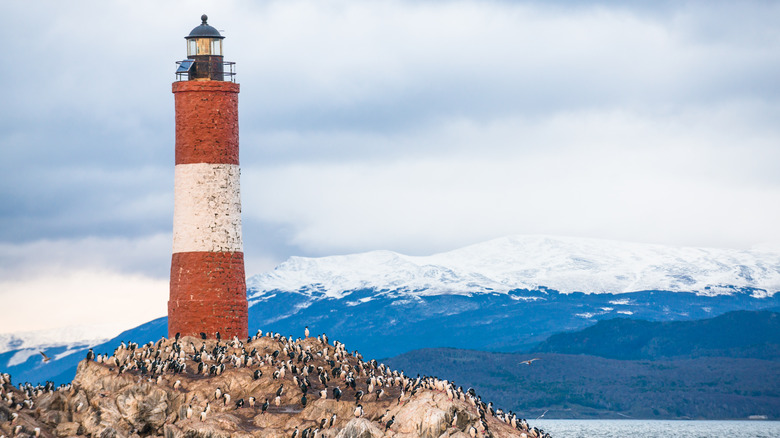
column 204, row 46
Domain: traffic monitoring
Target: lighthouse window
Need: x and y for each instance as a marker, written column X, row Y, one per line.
column 216, row 47
column 203, row 46
column 192, row 48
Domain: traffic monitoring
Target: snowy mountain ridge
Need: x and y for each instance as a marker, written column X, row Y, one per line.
column 70, row 337
column 529, row 262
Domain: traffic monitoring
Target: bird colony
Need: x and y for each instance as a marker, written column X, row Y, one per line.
column 266, row 386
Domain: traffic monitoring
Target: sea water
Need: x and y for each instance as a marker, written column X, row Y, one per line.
column 657, row 428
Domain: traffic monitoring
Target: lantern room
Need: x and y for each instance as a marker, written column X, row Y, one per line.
column 204, row 40
column 204, row 55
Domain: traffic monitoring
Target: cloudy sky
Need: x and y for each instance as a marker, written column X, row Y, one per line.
column 414, row 126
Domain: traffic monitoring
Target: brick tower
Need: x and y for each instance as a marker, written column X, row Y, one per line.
column 208, row 284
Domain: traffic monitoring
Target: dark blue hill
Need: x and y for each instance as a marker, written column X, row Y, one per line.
column 754, row 334
column 582, row 386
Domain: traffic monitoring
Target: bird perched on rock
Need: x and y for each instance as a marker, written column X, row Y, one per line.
column 265, row 406
column 90, row 355
column 389, row 423
column 359, row 411
column 337, row 393
column 384, row 416
column 303, row 400
column 306, row 331
column 280, row 391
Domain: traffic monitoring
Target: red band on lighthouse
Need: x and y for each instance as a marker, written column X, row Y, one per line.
column 206, row 122
column 208, row 282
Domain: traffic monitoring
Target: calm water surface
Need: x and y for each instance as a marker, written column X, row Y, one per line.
column 655, row 428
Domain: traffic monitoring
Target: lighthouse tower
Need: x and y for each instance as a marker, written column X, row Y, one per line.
column 208, row 284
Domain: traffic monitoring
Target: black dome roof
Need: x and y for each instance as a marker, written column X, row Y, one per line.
column 204, row 30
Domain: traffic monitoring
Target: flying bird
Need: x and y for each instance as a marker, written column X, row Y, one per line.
column 45, row 357
column 528, row 362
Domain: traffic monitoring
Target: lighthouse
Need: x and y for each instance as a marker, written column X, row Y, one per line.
column 208, row 283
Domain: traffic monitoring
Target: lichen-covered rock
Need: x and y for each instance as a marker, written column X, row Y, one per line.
column 67, row 428
column 360, row 428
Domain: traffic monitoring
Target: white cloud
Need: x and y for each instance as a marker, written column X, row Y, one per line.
column 84, row 297
column 678, row 179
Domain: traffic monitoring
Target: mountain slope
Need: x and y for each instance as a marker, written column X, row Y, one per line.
column 734, row 334
column 529, row 262
column 470, row 298
column 582, row 386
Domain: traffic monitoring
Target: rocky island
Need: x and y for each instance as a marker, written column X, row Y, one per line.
column 265, row 386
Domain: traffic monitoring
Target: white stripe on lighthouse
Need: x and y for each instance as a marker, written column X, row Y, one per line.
column 207, row 208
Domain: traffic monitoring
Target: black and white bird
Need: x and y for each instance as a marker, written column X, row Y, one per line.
column 390, row 423
column 90, row 355
column 303, row 400
column 280, row 391
column 265, row 406
column 383, row 418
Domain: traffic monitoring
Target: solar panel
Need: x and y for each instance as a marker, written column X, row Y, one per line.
column 185, row 66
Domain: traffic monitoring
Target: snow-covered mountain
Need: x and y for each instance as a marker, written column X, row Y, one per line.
column 529, row 262
column 64, row 336
column 505, row 295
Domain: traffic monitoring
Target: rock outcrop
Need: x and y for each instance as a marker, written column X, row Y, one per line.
column 268, row 386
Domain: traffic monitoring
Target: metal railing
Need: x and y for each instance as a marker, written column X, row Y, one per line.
column 184, row 67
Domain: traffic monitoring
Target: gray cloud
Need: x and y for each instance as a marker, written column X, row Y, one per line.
column 417, row 126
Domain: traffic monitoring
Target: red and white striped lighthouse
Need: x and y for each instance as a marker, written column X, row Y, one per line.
column 208, row 284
